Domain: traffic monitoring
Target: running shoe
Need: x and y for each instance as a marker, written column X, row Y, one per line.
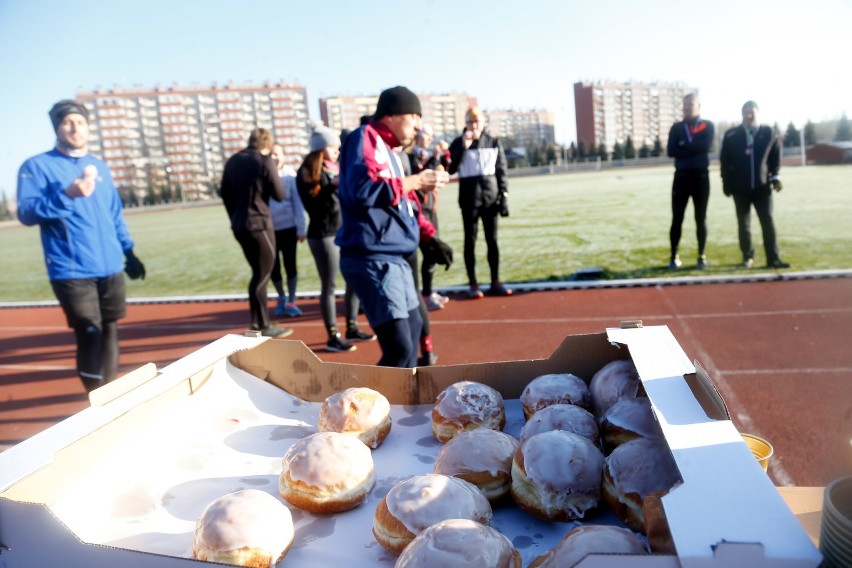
column 439, row 298
column 497, row 289
column 747, row 263
column 474, row 293
column 274, row 331
column 281, row 307
column 355, row 334
column 778, row 263
column 336, row 344
column 702, row 263
column 675, row 263
column 433, row 304
column 291, row 310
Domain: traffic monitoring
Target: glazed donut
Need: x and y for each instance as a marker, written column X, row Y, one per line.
column 359, row 411
column 589, row 539
column 482, row 457
column 627, row 420
column 456, row 543
column 633, row 471
column 562, row 388
column 413, row 505
column 245, row 528
column 466, row 405
column 565, row 417
column 614, row 381
column 327, row 472
column 557, row 476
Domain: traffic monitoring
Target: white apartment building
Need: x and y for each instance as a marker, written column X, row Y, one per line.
column 181, row 136
column 523, row 128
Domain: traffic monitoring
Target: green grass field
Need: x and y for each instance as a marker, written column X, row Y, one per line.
column 614, row 219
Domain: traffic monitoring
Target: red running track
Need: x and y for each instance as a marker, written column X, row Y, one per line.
column 777, row 350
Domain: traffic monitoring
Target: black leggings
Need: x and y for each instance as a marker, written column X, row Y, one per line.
column 285, row 246
column 259, row 250
column 399, row 340
column 470, row 220
column 697, row 186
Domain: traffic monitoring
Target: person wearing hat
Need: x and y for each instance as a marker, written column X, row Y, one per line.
column 70, row 195
column 317, row 181
column 249, row 180
column 749, row 160
column 480, row 162
column 381, row 228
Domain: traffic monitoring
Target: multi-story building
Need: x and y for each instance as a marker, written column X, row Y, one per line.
column 180, row 136
column 522, row 128
column 444, row 112
column 608, row 112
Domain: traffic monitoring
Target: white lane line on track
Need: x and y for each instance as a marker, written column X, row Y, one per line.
column 777, row 467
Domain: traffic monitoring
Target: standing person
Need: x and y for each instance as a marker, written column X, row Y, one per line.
column 749, row 160
column 70, row 195
column 317, row 181
column 288, row 220
column 689, row 142
column 380, row 225
column 249, row 181
column 480, row 162
column 424, row 156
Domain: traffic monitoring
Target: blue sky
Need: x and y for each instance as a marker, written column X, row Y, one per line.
column 790, row 56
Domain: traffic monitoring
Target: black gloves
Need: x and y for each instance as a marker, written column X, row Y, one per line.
column 776, row 184
column 438, row 252
column 503, row 202
column 133, row 266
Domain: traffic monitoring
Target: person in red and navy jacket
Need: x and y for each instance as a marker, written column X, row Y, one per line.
column 381, row 227
column 689, row 142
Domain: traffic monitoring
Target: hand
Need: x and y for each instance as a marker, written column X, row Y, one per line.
column 439, row 252
column 431, row 180
column 503, row 201
column 133, row 266
column 776, row 184
column 80, row 187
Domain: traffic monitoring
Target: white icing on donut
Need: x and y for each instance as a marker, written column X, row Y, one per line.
column 566, row 417
column 562, row 388
column 591, row 539
column 634, row 415
column 353, row 410
column 477, row 451
column 247, row 518
column 330, row 460
column 642, row 466
column 613, row 382
column 467, row 401
column 457, row 543
column 421, row 501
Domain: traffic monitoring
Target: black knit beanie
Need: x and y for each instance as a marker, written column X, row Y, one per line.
column 65, row 107
column 397, row 100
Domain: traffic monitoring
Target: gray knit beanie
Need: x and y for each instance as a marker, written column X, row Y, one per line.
column 65, row 107
column 322, row 137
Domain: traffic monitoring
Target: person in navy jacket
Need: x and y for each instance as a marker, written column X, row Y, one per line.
column 689, row 142
column 70, row 195
column 380, row 227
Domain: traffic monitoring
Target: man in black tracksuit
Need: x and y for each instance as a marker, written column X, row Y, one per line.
column 689, row 143
column 749, row 160
column 483, row 190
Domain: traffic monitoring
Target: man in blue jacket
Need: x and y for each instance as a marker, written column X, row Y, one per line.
column 71, row 196
column 380, row 227
column 689, row 143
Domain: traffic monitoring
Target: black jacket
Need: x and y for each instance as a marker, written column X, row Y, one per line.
column 689, row 143
column 323, row 209
column 747, row 164
column 481, row 169
column 249, row 181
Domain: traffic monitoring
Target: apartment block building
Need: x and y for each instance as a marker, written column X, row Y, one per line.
column 181, row 136
column 609, row 112
column 445, row 112
column 522, row 128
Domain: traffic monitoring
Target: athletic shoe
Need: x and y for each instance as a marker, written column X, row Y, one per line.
column 280, row 308
column 427, row 360
column 274, row 331
column 778, row 263
column 675, row 263
column 291, row 310
column 439, row 298
column 474, row 293
column 355, row 334
column 497, row 289
column 747, row 263
column 336, row 344
column 702, row 263
column 432, row 304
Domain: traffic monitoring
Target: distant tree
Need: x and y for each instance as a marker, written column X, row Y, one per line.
column 572, row 153
column 5, row 213
column 166, row 194
column 602, row 154
column 629, row 149
column 844, row 130
column 810, row 134
column 792, row 136
column 581, row 150
column 534, row 155
column 617, row 152
column 150, row 196
column 644, row 151
column 658, row 148
column 551, row 154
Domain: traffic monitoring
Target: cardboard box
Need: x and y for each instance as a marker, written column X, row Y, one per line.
column 726, row 513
